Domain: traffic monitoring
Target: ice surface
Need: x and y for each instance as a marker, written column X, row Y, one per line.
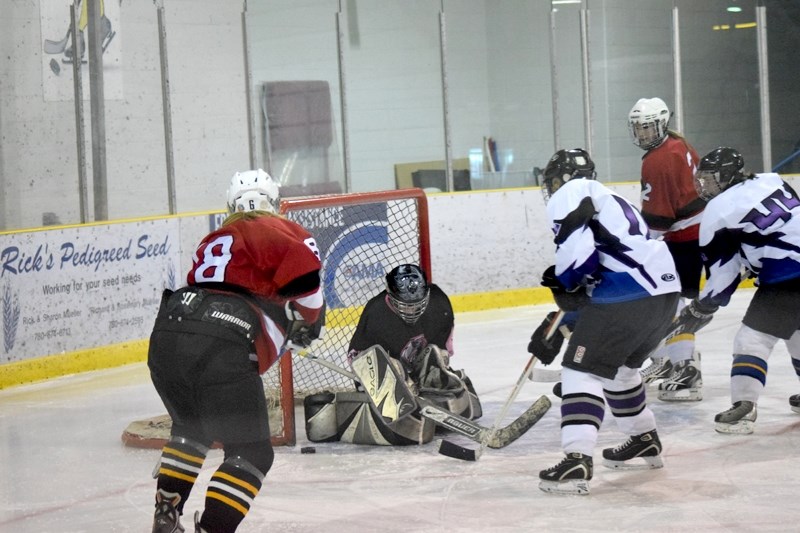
column 64, row 468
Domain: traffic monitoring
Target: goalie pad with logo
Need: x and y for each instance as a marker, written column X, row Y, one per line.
column 384, row 381
column 349, row 417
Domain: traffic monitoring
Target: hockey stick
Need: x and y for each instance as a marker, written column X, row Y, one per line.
column 451, row 449
column 545, row 375
column 493, row 437
column 550, row 375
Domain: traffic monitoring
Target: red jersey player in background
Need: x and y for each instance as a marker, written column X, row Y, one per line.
column 253, row 289
column 672, row 209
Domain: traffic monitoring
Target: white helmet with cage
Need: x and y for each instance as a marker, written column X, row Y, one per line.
column 648, row 121
column 253, row 190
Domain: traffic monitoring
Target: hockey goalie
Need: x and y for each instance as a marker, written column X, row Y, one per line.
column 400, row 353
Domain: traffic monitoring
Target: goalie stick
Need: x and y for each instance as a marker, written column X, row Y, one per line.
column 456, row 451
column 493, row 437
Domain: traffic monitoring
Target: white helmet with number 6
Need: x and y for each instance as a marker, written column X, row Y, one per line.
column 648, row 121
column 253, row 190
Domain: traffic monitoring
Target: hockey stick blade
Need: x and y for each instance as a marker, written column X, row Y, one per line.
column 501, row 437
column 511, row 432
column 455, row 451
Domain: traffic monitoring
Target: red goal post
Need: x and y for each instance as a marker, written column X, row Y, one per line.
column 361, row 237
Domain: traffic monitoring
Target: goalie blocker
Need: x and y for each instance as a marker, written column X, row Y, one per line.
column 386, row 411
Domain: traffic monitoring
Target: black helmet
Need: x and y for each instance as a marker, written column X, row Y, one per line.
column 718, row 170
column 408, row 291
column 565, row 165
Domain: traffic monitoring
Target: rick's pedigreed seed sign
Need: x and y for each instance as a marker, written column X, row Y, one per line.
column 74, row 288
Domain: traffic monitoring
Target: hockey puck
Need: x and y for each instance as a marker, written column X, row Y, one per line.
column 308, row 449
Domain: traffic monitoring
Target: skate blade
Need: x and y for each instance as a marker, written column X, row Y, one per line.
column 796, row 409
column 107, row 40
column 575, row 487
column 683, row 395
column 743, row 427
column 647, row 463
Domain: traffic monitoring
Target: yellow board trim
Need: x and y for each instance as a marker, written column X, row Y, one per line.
column 53, row 366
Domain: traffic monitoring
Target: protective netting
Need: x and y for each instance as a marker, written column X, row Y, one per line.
column 361, row 237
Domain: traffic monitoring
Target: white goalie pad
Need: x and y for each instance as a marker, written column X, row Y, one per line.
column 384, row 382
column 348, row 417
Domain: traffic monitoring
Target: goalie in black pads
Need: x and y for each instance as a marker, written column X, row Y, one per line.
column 626, row 287
column 400, row 350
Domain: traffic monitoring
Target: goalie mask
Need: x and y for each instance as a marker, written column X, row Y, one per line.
column 719, row 169
column 253, row 190
column 407, row 292
column 648, row 121
column 564, row 166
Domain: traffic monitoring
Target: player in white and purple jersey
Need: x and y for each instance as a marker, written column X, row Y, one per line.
column 751, row 227
column 626, row 287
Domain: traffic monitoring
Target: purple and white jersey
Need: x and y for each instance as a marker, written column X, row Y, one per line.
column 756, row 225
column 603, row 242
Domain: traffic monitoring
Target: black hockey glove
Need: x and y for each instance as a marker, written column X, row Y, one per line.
column 693, row 317
column 546, row 350
column 299, row 333
column 566, row 300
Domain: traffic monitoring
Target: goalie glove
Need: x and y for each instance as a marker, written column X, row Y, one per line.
column 693, row 317
column 546, row 350
column 565, row 299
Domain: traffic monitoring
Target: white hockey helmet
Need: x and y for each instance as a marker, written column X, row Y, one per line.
column 253, row 190
column 648, row 121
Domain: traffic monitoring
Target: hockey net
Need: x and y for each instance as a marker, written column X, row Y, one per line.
column 361, row 237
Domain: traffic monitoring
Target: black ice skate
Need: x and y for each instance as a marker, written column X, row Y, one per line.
column 166, row 518
column 646, row 446
column 659, row 368
column 794, row 402
column 570, row 476
column 197, row 528
column 685, row 383
column 738, row 420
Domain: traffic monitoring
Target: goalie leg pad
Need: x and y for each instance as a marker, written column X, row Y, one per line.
column 320, row 415
column 383, row 379
column 348, row 417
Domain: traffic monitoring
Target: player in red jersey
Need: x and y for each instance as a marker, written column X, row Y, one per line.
column 672, row 209
column 253, row 288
